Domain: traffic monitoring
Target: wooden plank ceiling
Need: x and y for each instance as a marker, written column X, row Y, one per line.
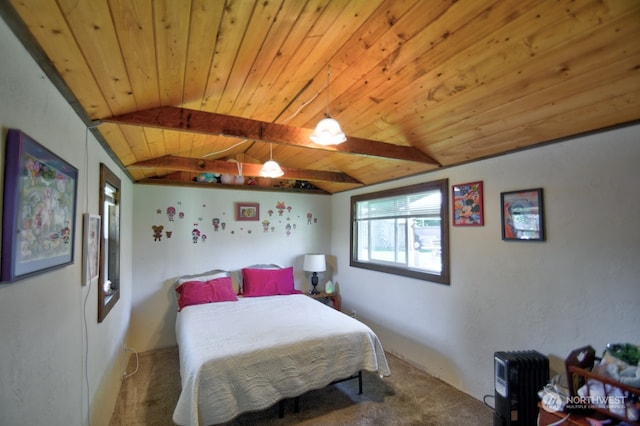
column 178, row 87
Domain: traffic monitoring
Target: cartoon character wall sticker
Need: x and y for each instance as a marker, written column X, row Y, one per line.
column 171, row 212
column 157, row 232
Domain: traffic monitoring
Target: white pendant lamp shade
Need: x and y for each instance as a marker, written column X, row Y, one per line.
column 271, row 169
column 328, row 132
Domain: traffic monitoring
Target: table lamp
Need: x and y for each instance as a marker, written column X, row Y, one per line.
column 314, row 263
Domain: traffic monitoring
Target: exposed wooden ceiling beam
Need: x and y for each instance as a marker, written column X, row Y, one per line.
column 189, row 120
column 184, row 164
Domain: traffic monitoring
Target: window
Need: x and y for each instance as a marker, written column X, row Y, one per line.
column 403, row 231
column 109, row 281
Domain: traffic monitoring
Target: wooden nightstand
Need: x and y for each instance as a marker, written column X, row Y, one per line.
column 333, row 297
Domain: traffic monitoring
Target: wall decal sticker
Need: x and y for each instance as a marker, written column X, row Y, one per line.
column 157, row 232
column 171, row 212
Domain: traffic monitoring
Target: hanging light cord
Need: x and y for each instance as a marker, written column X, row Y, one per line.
column 328, row 79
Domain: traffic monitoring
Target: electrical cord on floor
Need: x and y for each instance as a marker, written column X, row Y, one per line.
column 127, row 375
column 484, row 399
column 559, row 422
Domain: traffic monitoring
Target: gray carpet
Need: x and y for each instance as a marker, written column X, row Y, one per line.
column 407, row 397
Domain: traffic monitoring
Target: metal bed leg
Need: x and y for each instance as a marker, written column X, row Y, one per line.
column 281, row 409
column 296, row 404
column 360, row 382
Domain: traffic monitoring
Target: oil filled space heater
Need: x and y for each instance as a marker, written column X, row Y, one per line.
column 519, row 375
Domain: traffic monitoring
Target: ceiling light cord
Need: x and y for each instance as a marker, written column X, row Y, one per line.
column 328, row 80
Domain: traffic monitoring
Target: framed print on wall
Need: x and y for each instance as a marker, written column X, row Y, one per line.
column 91, row 248
column 38, row 225
column 522, row 215
column 247, row 211
column 468, row 204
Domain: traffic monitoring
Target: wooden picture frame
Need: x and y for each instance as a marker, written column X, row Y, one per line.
column 522, row 215
column 247, row 211
column 91, row 248
column 468, row 204
column 39, row 216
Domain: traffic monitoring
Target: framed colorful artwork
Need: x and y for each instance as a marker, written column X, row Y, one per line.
column 468, row 204
column 38, row 225
column 522, row 215
column 91, row 248
column 247, row 211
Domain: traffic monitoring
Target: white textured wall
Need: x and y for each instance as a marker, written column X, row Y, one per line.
column 43, row 340
column 580, row 287
column 240, row 244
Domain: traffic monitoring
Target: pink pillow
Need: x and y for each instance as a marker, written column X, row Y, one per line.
column 198, row 292
column 223, row 290
column 267, row 282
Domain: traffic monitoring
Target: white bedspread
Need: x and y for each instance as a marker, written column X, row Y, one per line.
column 247, row 355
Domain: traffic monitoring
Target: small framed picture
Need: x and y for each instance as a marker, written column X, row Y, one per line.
column 247, row 211
column 468, row 205
column 91, row 248
column 522, row 215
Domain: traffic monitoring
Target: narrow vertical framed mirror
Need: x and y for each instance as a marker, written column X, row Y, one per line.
column 109, row 276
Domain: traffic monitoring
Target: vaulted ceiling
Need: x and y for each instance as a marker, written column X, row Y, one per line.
column 176, row 88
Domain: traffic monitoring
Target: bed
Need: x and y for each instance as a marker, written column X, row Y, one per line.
column 249, row 353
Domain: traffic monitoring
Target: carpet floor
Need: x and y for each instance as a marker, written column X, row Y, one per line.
column 407, row 397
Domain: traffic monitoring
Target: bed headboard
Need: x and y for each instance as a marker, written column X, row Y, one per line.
column 264, row 266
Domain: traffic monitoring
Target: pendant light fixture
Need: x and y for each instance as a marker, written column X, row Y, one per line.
column 328, row 131
column 271, row 169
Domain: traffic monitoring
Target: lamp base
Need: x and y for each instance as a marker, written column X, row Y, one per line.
column 314, row 283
